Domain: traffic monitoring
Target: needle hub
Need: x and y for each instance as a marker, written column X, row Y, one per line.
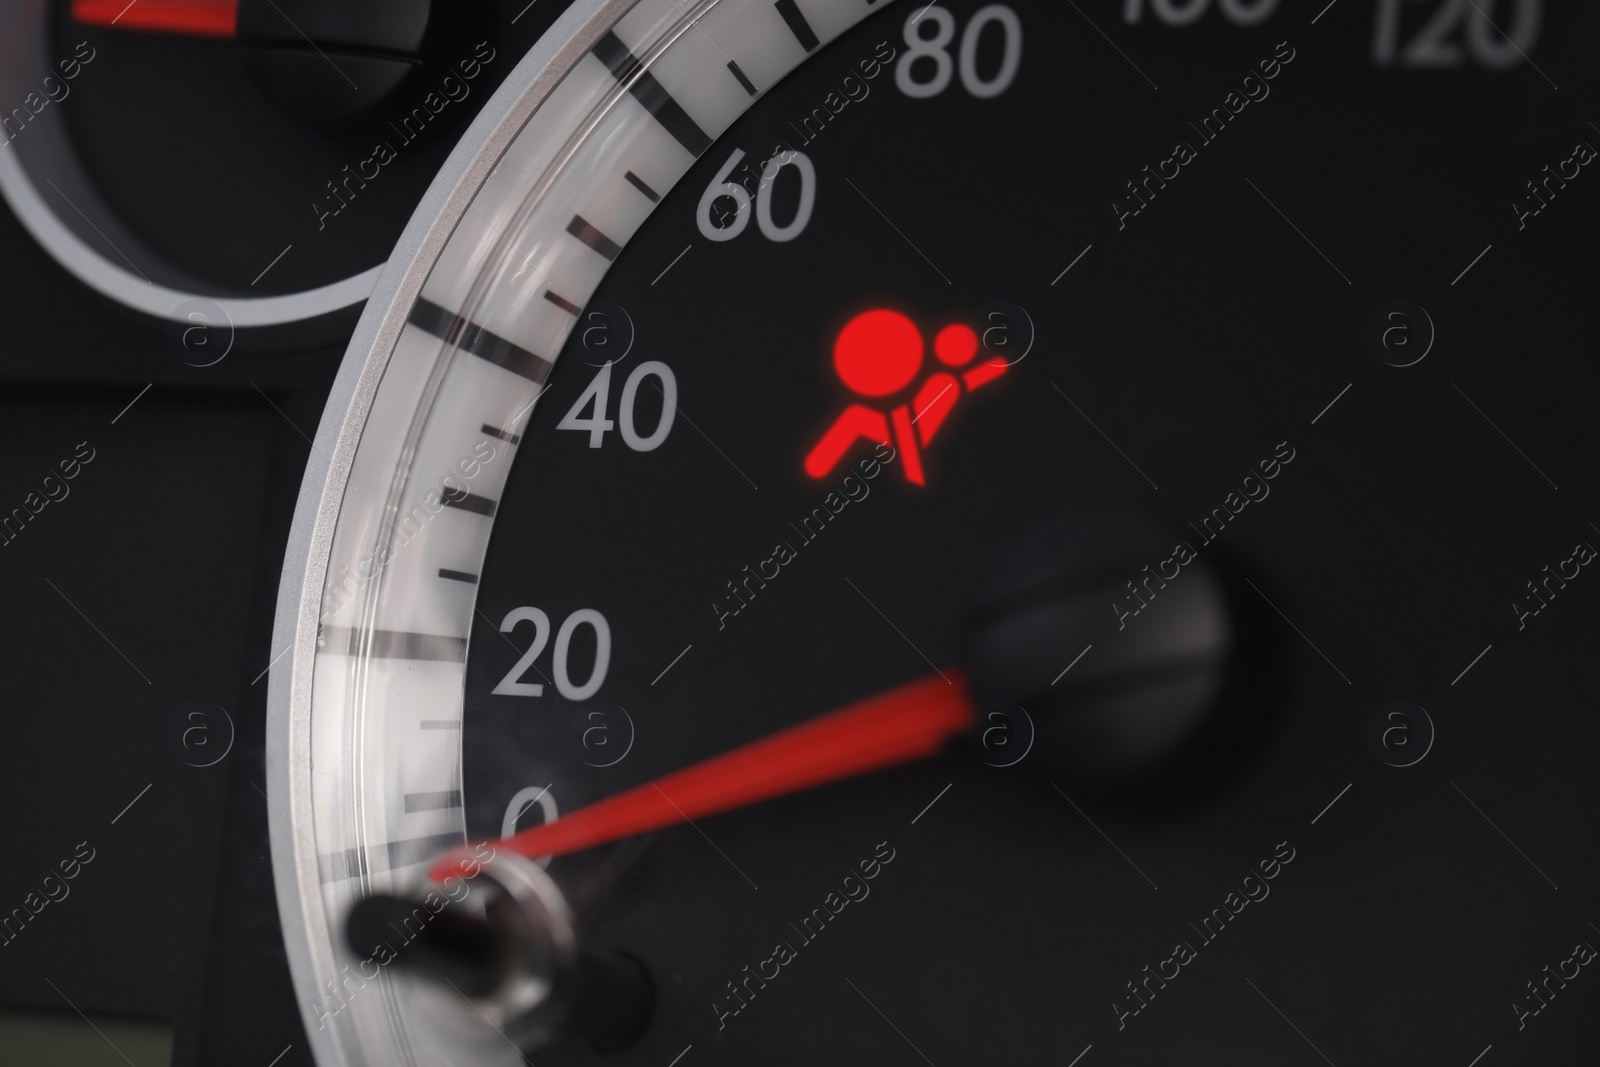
column 513, row 952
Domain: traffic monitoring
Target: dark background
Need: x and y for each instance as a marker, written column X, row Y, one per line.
column 148, row 590
column 152, row 584
column 169, row 545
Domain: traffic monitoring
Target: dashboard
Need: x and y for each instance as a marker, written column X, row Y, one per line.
column 1057, row 532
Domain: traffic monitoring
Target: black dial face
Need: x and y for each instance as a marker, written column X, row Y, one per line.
column 1229, row 438
column 218, row 134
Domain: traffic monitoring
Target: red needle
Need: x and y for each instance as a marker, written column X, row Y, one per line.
column 189, row 18
column 910, row 722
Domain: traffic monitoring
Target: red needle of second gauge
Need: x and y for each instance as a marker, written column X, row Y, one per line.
column 909, row 722
column 188, row 18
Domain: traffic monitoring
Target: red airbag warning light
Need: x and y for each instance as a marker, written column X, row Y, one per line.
column 879, row 353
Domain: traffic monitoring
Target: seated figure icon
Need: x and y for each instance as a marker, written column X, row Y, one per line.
column 878, row 355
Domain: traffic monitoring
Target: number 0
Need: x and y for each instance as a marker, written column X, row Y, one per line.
column 808, row 196
column 1010, row 60
column 602, row 654
column 669, row 406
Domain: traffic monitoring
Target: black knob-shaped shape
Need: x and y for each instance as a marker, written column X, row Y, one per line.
column 449, row 945
column 327, row 62
column 1153, row 616
column 603, row 998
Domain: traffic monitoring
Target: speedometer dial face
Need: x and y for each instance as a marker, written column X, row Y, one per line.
column 1160, row 430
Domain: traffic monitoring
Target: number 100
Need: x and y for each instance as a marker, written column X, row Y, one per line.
column 1183, row 12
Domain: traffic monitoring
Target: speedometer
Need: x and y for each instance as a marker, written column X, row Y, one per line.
column 886, row 532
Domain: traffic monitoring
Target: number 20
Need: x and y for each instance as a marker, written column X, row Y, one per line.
column 513, row 686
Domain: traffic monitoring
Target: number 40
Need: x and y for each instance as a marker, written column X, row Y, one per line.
column 597, row 398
